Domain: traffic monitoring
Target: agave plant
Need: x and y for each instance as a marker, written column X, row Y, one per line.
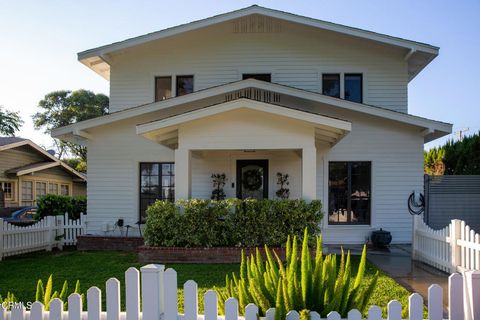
column 302, row 283
column 8, row 301
column 46, row 294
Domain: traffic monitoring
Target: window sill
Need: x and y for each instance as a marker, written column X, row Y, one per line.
column 349, row 226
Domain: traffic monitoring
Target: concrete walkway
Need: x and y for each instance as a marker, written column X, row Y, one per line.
column 397, row 263
column 413, row 275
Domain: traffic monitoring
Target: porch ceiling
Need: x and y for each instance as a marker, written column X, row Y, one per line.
column 327, row 130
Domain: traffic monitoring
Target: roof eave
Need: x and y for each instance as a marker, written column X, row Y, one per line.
column 75, row 130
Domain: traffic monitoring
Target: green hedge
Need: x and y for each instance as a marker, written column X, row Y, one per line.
column 232, row 222
column 54, row 205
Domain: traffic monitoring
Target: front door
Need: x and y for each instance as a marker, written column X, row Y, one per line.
column 252, row 179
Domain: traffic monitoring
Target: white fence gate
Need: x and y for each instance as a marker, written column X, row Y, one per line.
column 151, row 294
column 50, row 232
column 453, row 248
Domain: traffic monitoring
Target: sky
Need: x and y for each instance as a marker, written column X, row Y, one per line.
column 39, row 41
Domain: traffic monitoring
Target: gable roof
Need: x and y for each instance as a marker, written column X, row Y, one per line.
column 417, row 54
column 434, row 128
column 327, row 129
column 7, row 143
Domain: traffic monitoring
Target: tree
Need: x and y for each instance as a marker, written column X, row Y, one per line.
column 61, row 108
column 10, row 122
column 76, row 163
column 455, row 157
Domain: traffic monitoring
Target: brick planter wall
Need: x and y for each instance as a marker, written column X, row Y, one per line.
column 91, row 242
column 197, row 255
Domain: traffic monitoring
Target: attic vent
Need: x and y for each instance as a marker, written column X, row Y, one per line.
column 256, row 24
column 254, row 94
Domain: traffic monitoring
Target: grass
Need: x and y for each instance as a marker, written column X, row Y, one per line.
column 19, row 274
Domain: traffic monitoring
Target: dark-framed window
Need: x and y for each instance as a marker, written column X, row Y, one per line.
column 331, row 84
column 163, row 88
column 258, row 76
column 184, row 85
column 349, row 192
column 354, row 87
column 157, row 182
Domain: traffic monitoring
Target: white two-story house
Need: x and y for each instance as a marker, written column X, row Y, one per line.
column 251, row 93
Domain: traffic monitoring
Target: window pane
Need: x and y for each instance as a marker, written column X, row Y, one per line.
column 349, row 192
column 184, row 85
column 64, row 190
column 331, row 85
column 338, row 192
column 7, row 188
column 27, row 190
column 163, row 88
column 40, row 189
column 156, row 182
column 53, row 188
column 353, row 87
column 360, row 192
column 258, row 76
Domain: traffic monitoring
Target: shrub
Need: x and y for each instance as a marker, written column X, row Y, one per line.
column 54, row 205
column 231, row 222
column 301, row 284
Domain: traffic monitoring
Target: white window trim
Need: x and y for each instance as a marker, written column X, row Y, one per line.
column 342, row 71
column 12, row 189
column 372, row 223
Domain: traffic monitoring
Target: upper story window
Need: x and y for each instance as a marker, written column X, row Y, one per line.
column 353, row 87
column 163, row 88
column 331, row 84
column 184, row 85
column 258, row 76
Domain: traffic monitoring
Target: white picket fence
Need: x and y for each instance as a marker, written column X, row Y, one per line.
column 451, row 249
column 48, row 233
column 151, row 294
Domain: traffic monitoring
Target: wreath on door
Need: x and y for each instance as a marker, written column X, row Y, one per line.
column 252, row 180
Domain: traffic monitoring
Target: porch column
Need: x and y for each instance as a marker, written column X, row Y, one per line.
column 309, row 173
column 182, row 174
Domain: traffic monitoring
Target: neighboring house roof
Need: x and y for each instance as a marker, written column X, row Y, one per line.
column 417, row 54
column 433, row 129
column 33, row 167
column 7, row 143
column 9, row 140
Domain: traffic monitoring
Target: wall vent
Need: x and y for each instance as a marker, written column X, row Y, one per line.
column 254, row 94
column 256, row 24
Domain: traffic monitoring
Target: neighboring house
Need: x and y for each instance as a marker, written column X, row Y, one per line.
column 251, row 93
column 27, row 172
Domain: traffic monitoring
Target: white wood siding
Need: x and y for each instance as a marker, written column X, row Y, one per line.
column 395, row 152
column 297, row 56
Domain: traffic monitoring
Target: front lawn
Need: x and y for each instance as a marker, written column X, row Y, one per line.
column 20, row 274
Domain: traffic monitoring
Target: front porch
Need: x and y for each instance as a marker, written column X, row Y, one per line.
column 219, row 138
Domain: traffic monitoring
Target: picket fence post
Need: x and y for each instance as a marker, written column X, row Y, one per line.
column 50, row 233
column 60, row 230
column 455, row 297
column 471, row 295
column 83, row 223
column 153, row 304
column 1, row 239
column 456, row 250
